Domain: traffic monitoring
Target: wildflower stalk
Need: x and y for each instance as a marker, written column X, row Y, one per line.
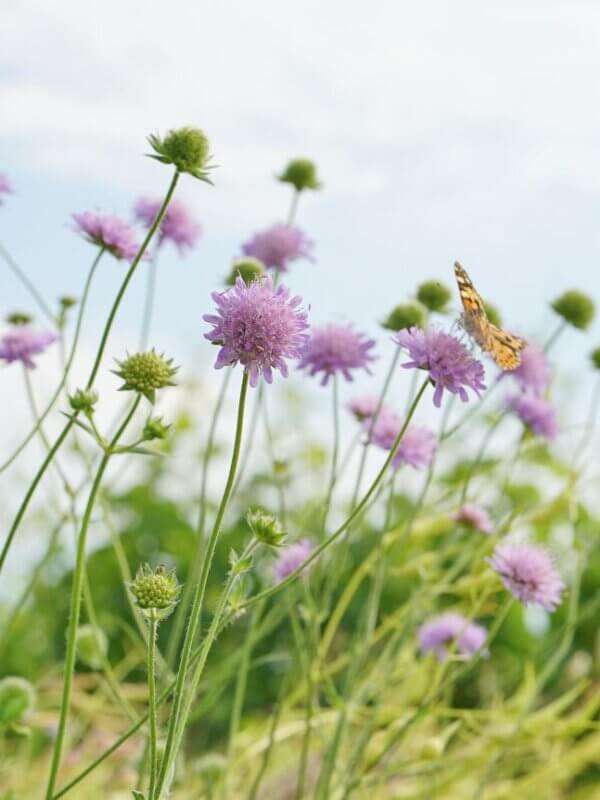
column 29, row 285
column 153, row 727
column 148, row 303
column 96, row 366
column 198, row 599
column 551, row 341
column 335, row 451
column 75, row 605
column 273, row 460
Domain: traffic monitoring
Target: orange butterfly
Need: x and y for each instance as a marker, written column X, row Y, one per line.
column 503, row 347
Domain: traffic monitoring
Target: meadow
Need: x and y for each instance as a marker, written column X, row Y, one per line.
column 244, row 593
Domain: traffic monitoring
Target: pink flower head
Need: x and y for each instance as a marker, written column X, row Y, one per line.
column 533, row 373
column 474, row 517
column 21, row 343
column 178, row 225
column 417, row 446
column 108, row 231
column 529, row 574
column 5, row 186
column 535, row 412
column 334, row 349
column 291, row 557
column 258, row 326
column 449, row 363
column 364, row 407
column 448, row 629
column 279, row 245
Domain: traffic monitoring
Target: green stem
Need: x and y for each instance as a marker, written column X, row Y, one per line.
column 335, row 451
column 271, row 448
column 29, row 285
column 293, row 208
column 555, row 334
column 75, row 606
column 153, row 727
column 148, row 303
column 198, row 600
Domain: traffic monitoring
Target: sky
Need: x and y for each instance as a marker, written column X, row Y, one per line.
column 441, row 131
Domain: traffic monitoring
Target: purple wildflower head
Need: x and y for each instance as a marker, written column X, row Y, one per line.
column 5, row 186
column 334, row 349
column 279, row 245
column 449, row 363
column 417, row 446
column 451, row 629
column 109, row 232
column 258, row 326
column 363, row 407
column 535, row 412
column 178, row 225
column 21, row 343
column 291, row 557
column 474, row 517
column 528, row 572
column 533, row 373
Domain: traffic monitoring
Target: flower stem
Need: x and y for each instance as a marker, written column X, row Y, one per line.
column 153, row 735
column 335, row 451
column 29, row 285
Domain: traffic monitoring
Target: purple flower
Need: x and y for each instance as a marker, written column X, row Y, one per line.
column 257, row 326
column 529, row 574
column 474, row 517
column 449, row 363
column 109, row 232
column 279, row 245
column 291, row 557
column 335, row 349
column 417, row 446
column 535, row 412
column 5, row 186
column 364, row 407
column 22, row 343
column 533, row 373
column 177, row 226
column 449, row 629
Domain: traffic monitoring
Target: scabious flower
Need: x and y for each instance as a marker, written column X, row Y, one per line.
column 417, row 446
column 17, row 699
column 301, row 173
column 109, row 232
column 474, row 517
column 187, row 148
column 5, row 187
column 406, row 315
column 248, row 269
column 576, row 308
column 178, row 225
column 449, row 363
column 22, row 343
column 533, row 373
column 279, row 245
column 529, row 574
column 449, row 630
column 155, row 590
column 336, row 348
column 535, row 412
column 364, row 407
column 257, row 326
column 434, row 295
column 290, row 558
column 145, row 373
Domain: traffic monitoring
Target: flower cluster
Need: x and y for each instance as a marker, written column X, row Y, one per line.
column 536, row 413
column 155, row 590
column 417, row 446
column 528, row 572
column 109, row 232
column 336, row 349
column 292, row 557
column 278, row 246
column 451, row 630
column 187, row 148
column 178, row 226
column 145, row 373
column 22, row 343
column 405, row 315
column 257, row 326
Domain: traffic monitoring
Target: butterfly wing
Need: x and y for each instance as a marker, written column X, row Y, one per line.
column 505, row 348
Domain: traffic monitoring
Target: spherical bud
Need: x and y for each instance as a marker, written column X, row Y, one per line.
column 493, row 314
column 84, row 400
column 17, row 698
column 92, row 646
column 156, row 590
column 144, row 373
column 595, row 357
column 67, row 301
column 188, row 149
column 301, row 173
column 434, row 296
column 576, row 308
column 406, row 315
column 19, row 318
column 265, row 527
column 248, row 269
column 155, row 429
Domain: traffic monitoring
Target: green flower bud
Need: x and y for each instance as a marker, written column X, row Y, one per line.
column 247, row 268
column 155, row 429
column 492, row 314
column 301, row 173
column 265, row 527
column 145, row 373
column 595, row 357
column 67, row 301
column 434, row 296
column 187, row 149
column 84, row 400
column 19, row 318
column 406, row 315
column 576, row 308
column 92, row 646
column 156, row 590
column 17, row 698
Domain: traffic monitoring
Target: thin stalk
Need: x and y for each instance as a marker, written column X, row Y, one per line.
column 293, row 208
column 335, row 450
column 75, row 606
column 153, row 726
column 273, row 460
column 29, row 285
column 252, row 794
column 94, row 371
column 148, row 303
column 551, row 341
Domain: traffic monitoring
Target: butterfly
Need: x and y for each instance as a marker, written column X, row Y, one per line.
column 503, row 347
